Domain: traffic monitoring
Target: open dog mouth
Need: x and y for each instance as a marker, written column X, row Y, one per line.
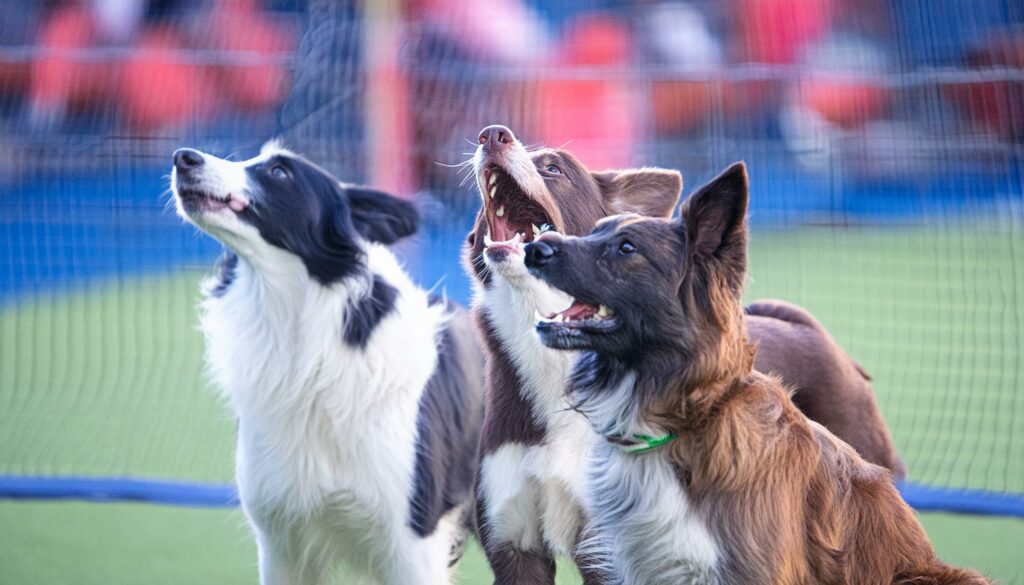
column 197, row 200
column 579, row 315
column 513, row 218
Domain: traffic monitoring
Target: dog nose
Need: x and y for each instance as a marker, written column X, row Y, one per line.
column 186, row 159
column 539, row 253
column 496, row 138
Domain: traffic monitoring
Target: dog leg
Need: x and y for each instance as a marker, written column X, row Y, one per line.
column 279, row 567
column 422, row 561
column 508, row 517
column 590, row 574
column 513, row 566
column 588, row 566
column 512, row 563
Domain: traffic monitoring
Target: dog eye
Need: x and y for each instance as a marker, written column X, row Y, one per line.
column 553, row 170
column 627, row 247
column 279, row 172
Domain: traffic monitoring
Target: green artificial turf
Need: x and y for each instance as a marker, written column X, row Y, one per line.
column 109, row 381
column 75, row 543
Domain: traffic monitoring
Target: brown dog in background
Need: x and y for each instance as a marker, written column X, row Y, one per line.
column 708, row 473
column 829, row 386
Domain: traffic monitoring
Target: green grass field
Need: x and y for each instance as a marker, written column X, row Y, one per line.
column 109, row 381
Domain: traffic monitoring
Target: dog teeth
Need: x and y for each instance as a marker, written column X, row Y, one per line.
column 536, row 230
column 494, row 179
column 603, row 311
column 494, row 190
column 500, row 212
column 559, row 318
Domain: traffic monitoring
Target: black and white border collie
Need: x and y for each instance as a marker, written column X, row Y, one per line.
column 358, row 396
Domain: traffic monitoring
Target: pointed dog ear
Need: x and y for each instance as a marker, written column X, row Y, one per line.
column 647, row 191
column 715, row 221
column 381, row 217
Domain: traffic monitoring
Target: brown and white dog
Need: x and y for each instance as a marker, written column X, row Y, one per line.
column 708, row 473
column 534, row 446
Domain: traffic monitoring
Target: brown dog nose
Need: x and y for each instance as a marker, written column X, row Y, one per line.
column 496, row 138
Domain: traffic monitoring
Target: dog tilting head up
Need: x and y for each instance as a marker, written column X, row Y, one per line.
column 280, row 205
column 358, row 397
column 523, row 191
column 533, row 448
column 708, row 473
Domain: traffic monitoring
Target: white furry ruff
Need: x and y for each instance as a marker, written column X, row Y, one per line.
column 643, row 529
column 534, row 494
column 326, row 435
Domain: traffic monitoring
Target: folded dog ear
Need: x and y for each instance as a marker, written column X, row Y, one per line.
column 647, row 191
column 381, row 217
column 715, row 220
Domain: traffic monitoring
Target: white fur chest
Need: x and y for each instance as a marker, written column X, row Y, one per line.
column 550, row 477
column 645, row 529
column 559, row 468
column 644, row 525
column 512, row 308
column 321, row 423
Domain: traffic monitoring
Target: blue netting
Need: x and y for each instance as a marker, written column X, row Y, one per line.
column 885, row 143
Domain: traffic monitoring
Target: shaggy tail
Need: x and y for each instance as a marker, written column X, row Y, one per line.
column 940, row 574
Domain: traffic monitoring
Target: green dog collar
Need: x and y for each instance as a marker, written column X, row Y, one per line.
column 640, row 443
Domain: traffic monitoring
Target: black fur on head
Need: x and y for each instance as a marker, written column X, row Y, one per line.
column 301, row 208
column 643, row 284
column 294, row 205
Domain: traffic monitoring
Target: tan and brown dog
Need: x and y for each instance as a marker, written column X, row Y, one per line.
column 533, row 446
column 707, row 472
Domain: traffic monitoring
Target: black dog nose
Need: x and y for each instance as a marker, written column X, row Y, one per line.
column 497, row 137
column 539, row 253
column 186, row 159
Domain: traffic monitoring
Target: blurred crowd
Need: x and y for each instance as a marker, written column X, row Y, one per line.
column 142, row 66
column 611, row 77
column 615, row 77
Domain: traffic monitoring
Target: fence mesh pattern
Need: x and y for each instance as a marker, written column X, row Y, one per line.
column 885, row 142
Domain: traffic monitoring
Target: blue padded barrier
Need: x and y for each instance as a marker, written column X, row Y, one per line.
column 118, row 489
column 175, row 493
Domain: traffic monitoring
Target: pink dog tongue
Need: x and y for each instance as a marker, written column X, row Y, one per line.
column 579, row 310
column 236, row 204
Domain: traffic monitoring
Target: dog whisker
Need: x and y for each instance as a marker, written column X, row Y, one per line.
column 466, row 179
column 453, row 165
